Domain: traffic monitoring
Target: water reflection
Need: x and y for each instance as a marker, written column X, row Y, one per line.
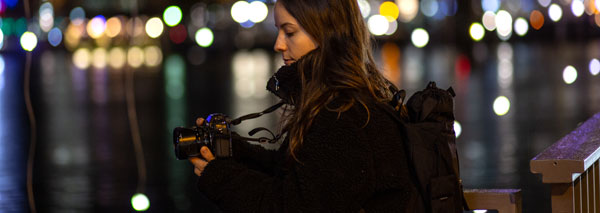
column 86, row 161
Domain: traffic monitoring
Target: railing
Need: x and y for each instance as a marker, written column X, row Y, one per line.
column 503, row 200
column 571, row 167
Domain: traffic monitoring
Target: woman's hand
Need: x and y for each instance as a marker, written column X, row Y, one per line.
column 200, row 164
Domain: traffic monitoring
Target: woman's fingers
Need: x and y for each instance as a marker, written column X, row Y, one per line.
column 199, row 121
column 207, row 154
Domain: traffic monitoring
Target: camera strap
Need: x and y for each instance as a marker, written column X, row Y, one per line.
column 255, row 130
column 256, row 115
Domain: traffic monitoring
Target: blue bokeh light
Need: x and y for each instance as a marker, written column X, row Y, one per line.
column 490, row 5
column 55, row 37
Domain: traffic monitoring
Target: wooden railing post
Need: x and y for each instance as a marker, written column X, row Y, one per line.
column 571, row 167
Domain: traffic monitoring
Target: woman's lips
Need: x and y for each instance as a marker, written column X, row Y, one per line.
column 288, row 61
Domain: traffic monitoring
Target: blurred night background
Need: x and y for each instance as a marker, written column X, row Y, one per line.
column 107, row 75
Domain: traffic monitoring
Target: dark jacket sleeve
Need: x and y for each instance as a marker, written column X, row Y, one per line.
column 257, row 157
column 333, row 175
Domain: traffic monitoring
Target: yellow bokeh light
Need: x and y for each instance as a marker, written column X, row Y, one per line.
column 81, row 58
column 99, row 58
column 153, row 56
column 113, row 27
column 389, row 10
column 116, row 57
column 73, row 36
column 95, row 27
column 135, row 57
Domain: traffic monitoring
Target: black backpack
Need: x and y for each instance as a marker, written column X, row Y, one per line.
column 427, row 122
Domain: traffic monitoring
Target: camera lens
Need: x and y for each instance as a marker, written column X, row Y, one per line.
column 186, row 142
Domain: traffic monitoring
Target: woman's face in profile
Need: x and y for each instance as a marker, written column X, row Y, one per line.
column 292, row 41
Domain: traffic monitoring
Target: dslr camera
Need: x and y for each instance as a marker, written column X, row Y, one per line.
column 215, row 133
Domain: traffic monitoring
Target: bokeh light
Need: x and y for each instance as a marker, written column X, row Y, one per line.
column 135, row 57
column 389, row 10
column 178, row 34
column 503, row 24
column 7, row 26
column 113, row 27
column 544, row 3
column 392, row 27
column 73, row 35
column 476, row 31
column 429, row 7
column 240, row 11
column 46, row 16
column 154, row 27
column 378, row 25
column 77, row 16
column 536, row 19
column 140, row 202
column 569, row 74
column 20, row 26
column 594, row 66
column 172, row 16
column 54, row 37
column 81, row 58
column 419, row 37
column 365, row 8
column 521, row 26
column 135, row 27
column 555, row 12
column 501, row 105
column 490, row 5
column 204, row 37
column 117, row 58
column 408, row 10
column 1, row 39
column 489, row 20
column 153, row 56
column 99, row 58
column 28, row 41
column 577, row 7
column 258, row 11
column 96, row 26
column 457, row 128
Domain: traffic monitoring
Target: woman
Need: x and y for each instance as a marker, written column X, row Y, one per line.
column 342, row 153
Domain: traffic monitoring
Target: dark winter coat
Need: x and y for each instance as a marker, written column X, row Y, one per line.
column 344, row 166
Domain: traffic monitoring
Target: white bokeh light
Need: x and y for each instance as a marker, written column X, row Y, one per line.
column 240, row 11
column 408, row 10
column 501, row 105
column 419, row 37
column 555, row 12
column 140, row 202
column 378, row 25
column 258, row 11
column 28, row 41
column 594, row 66
column 154, row 27
column 577, row 7
column 503, row 23
column 457, row 128
column 569, row 74
column 476, row 31
column 489, row 20
column 365, row 8
column 521, row 26
column 204, row 37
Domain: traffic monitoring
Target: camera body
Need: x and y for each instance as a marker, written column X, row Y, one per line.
column 215, row 133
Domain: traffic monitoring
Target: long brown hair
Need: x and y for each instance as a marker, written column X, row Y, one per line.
column 342, row 67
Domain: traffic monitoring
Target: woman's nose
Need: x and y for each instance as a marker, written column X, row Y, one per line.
column 279, row 43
